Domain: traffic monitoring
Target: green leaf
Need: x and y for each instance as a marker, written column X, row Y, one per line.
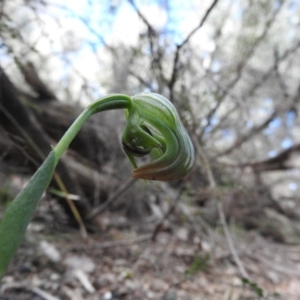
column 19, row 213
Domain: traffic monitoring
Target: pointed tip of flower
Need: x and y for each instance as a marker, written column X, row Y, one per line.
column 157, row 175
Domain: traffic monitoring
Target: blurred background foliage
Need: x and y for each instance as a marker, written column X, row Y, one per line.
column 231, row 68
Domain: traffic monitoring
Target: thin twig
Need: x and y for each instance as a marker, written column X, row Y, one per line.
column 230, row 242
column 151, row 31
column 114, row 196
column 140, row 79
column 257, row 129
column 25, row 286
column 1, row 9
column 155, row 48
column 141, row 239
column 220, row 209
column 240, row 68
column 200, row 24
column 166, row 215
column 112, row 244
column 173, row 79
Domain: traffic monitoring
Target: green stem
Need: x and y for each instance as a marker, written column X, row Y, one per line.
column 116, row 101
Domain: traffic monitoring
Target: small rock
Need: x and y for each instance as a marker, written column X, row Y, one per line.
column 182, row 234
column 50, row 251
column 236, row 281
column 171, row 296
column 83, row 263
column 54, row 277
column 84, row 280
column 107, row 296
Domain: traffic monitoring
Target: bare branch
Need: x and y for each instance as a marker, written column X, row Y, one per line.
column 167, row 214
column 257, row 129
column 33, row 79
column 140, row 79
column 151, row 31
column 274, row 68
column 2, row 2
column 213, row 186
column 114, row 196
column 150, row 28
column 112, row 244
column 173, row 79
column 241, row 66
column 155, row 49
column 200, row 24
column 278, row 162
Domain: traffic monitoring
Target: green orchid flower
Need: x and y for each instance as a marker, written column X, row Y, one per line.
column 153, row 127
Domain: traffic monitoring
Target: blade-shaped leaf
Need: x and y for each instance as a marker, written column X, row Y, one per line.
column 19, row 213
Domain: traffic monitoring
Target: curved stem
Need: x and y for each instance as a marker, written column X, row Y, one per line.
column 115, row 101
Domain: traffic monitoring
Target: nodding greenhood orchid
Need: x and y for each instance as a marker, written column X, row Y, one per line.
column 154, row 127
